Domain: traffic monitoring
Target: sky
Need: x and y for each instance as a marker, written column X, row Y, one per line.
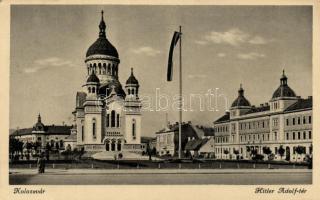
column 222, row 47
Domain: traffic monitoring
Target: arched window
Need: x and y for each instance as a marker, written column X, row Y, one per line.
column 133, row 128
column 93, row 90
column 113, row 118
column 99, row 65
column 116, row 70
column 113, row 146
column 107, row 145
column 118, row 120
column 129, row 91
column 89, row 89
column 119, row 145
column 132, row 91
column 109, row 69
column 82, row 130
column 94, row 128
column 104, row 68
column 107, row 120
column 94, row 67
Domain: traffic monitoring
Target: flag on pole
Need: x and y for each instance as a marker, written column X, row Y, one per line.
column 174, row 41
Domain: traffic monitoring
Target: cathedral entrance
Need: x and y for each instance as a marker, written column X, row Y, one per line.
column 107, row 145
column 113, row 146
column 119, row 145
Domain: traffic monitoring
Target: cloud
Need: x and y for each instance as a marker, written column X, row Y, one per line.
column 149, row 51
column 221, row 55
column 47, row 63
column 250, row 56
column 201, row 42
column 197, row 76
column 233, row 37
column 258, row 40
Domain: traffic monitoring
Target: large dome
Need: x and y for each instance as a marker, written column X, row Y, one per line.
column 102, row 46
column 240, row 101
column 283, row 90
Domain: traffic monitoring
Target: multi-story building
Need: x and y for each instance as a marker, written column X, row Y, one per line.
column 168, row 138
column 43, row 134
column 106, row 116
column 284, row 123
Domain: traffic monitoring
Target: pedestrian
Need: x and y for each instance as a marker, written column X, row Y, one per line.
column 41, row 164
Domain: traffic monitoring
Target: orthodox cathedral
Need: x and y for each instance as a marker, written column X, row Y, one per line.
column 107, row 117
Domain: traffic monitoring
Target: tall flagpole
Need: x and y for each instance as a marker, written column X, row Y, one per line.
column 180, row 92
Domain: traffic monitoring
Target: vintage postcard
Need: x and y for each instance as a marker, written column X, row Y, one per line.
column 159, row 100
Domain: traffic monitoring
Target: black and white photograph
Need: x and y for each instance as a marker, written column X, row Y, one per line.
column 161, row 95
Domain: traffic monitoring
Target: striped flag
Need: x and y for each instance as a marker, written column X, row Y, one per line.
column 174, row 41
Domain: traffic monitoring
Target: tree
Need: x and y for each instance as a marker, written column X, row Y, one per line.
column 48, row 147
column 253, row 152
column 154, row 151
column 226, row 152
column 15, row 147
column 29, row 148
column 37, row 146
column 300, row 150
column 57, row 146
column 149, row 151
column 281, row 151
column 236, row 152
column 267, row 151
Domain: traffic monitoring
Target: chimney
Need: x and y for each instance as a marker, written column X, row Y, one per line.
column 266, row 104
column 261, row 104
column 189, row 122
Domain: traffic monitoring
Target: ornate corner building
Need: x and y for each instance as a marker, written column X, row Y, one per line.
column 284, row 122
column 107, row 116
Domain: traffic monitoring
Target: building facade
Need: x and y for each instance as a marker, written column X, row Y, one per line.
column 167, row 140
column 53, row 135
column 281, row 128
column 107, row 116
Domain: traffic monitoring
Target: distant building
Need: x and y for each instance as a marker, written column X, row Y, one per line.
column 70, row 142
column 44, row 134
column 168, row 138
column 283, row 123
column 145, row 142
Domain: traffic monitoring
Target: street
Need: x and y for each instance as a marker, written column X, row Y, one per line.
column 229, row 178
